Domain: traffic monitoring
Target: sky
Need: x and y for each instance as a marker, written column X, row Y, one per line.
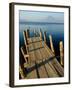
column 41, row 16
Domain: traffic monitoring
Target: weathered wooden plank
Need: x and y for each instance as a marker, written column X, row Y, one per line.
column 49, row 68
column 44, row 56
column 30, row 47
column 35, row 45
column 41, row 70
column 38, row 55
column 32, row 56
column 37, row 52
column 49, row 63
column 48, row 50
column 51, row 71
column 58, row 67
column 36, row 39
column 53, row 68
column 32, row 74
column 55, row 63
column 33, row 39
column 29, row 40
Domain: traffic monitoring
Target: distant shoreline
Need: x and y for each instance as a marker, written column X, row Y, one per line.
column 40, row 23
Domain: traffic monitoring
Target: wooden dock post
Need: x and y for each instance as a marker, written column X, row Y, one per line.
column 40, row 35
column 25, row 37
column 45, row 37
column 28, row 33
column 21, row 72
column 34, row 32
column 51, row 44
column 61, row 53
column 41, row 38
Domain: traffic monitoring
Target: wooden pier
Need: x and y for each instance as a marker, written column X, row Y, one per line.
column 40, row 60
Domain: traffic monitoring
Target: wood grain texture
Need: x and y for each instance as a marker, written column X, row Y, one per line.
column 42, row 59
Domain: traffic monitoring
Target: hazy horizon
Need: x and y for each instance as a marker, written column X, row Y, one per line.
column 41, row 17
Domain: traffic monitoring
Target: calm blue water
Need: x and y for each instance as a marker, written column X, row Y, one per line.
column 56, row 30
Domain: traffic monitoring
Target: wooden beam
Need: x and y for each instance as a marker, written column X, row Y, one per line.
column 24, row 55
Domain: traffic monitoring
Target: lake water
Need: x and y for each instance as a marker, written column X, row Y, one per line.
column 56, row 30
